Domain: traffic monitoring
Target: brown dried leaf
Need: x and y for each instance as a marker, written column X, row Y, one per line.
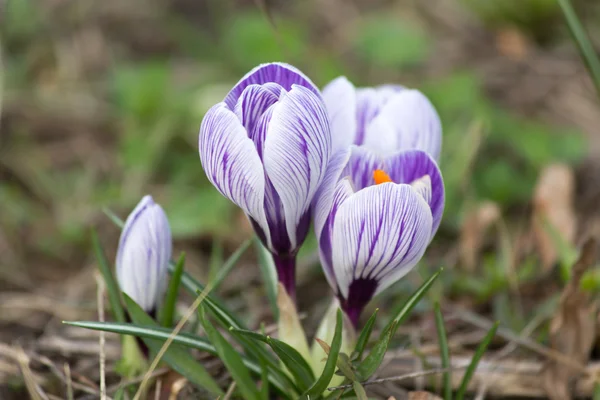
column 553, row 205
column 573, row 328
column 473, row 232
column 422, row 396
column 512, row 43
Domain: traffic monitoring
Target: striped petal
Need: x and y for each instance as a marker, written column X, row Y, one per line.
column 368, row 105
column 411, row 166
column 379, row 234
column 253, row 103
column 415, row 121
column 343, row 191
column 283, row 74
column 324, row 197
column 296, row 153
column 232, row 164
column 360, row 167
column 145, row 248
column 340, row 99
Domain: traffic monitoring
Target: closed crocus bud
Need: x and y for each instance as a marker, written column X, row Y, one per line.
column 266, row 148
column 375, row 216
column 385, row 119
column 145, row 249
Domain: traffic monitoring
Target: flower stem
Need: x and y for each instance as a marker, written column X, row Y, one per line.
column 354, row 315
column 286, row 272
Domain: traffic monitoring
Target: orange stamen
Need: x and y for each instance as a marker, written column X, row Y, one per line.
column 381, row 177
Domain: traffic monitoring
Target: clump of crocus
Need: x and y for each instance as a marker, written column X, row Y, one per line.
column 143, row 256
column 384, row 119
column 376, row 213
column 266, row 148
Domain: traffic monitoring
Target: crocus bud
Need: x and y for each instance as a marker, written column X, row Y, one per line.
column 144, row 252
column 266, row 148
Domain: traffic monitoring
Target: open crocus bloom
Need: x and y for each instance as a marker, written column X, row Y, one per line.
column 385, row 119
column 143, row 256
column 266, row 148
column 375, row 216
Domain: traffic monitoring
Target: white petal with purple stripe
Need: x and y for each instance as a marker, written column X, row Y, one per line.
column 297, row 151
column 144, row 252
column 283, row 74
column 232, row 164
column 379, row 234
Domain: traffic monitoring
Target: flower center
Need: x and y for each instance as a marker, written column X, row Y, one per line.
column 380, row 176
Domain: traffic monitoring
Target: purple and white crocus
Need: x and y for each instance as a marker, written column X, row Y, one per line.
column 266, row 148
column 143, row 256
column 383, row 200
column 384, row 119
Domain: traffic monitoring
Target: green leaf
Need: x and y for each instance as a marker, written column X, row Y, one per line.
column 219, row 310
column 264, row 389
column 216, row 259
column 160, row 333
column 168, row 309
column 583, row 42
column 261, row 355
column 460, row 393
column 289, row 356
column 177, row 358
column 359, row 390
column 114, row 293
column 231, row 358
column 364, row 337
column 321, row 384
column 269, row 275
column 114, row 218
column 404, row 312
column 444, row 351
column 370, row 364
column 230, row 263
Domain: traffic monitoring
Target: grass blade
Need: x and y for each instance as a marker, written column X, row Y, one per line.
column 336, row 344
column 261, row 355
column 114, row 218
column 230, row 263
column 177, row 358
column 168, row 309
column 404, row 312
column 231, row 358
column 359, row 391
column 460, row 394
column 583, row 42
column 216, row 259
column 289, row 356
column 444, row 352
column 269, row 275
column 153, row 331
column 221, row 312
column 364, row 337
column 114, row 293
column 370, row 364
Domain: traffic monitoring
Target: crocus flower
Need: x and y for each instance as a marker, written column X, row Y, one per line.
column 375, row 216
column 266, row 148
column 143, row 256
column 385, row 119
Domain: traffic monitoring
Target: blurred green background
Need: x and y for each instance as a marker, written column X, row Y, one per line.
column 102, row 101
